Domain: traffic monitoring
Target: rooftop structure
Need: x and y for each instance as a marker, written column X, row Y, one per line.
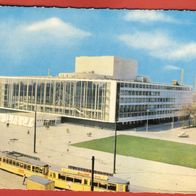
column 114, row 67
column 103, row 91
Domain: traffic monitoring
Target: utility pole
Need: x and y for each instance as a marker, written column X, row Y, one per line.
column 92, row 173
column 35, row 126
column 172, row 124
column 115, row 126
column 147, row 121
column 115, row 143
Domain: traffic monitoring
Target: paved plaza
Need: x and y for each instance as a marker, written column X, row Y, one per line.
column 54, row 147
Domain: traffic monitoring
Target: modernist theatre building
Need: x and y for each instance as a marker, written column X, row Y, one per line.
column 102, row 91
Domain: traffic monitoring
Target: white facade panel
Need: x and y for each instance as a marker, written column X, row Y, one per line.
column 98, row 65
column 114, row 67
column 125, row 69
column 112, row 107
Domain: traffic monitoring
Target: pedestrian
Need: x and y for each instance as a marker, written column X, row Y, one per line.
column 24, row 179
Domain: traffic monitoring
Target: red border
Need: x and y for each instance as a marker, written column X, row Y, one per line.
column 114, row 4
column 66, row 193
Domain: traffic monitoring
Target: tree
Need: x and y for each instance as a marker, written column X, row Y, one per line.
column 190, row 112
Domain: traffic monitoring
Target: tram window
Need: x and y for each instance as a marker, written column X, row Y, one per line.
column 17, row 164
column 21, row 165
column 3, row 160
column 40, row 170
column 77, row 180
column 0, row 158
column 33, row 168
column 69, row 179
column 10, row 161
column 61, row 177
column 6, row 160
column 13, row 163
column 95, row 184
column 28, row 167
column 103, row 186
column 112, row 187
column 85, row 181
column 25, row 166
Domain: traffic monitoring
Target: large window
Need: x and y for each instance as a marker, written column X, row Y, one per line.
column 86, row 99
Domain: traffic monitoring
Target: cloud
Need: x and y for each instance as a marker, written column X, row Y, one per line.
column 56, row 27
column 172, row 68
column 184, row 51
column 146, row 40
column 47, row 24
column 19, row 40
column 148, row 16
column 160, row 45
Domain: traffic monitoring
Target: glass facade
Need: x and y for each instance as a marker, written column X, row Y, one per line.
column 94, row 99
column 141, row 101
column 77, row 98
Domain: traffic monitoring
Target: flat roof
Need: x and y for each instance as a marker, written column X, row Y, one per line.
column 55, row 168
column 40, row 180
column 56, row 78
column 24, row 158
column 112, row 179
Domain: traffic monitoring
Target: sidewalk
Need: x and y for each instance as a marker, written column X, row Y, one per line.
column 53, row 146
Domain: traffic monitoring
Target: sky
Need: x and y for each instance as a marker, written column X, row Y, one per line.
column 35, row 40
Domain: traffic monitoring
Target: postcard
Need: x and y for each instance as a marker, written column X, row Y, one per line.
column 97, row 100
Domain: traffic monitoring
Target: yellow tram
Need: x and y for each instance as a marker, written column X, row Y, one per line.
column 21, row 164
column 74, row 179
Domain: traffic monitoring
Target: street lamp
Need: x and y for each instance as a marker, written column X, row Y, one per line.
column 115, row 127
column 35, row 127
column 172, row 123
column 147, row 120
column 92, row 173
column 115, row 143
